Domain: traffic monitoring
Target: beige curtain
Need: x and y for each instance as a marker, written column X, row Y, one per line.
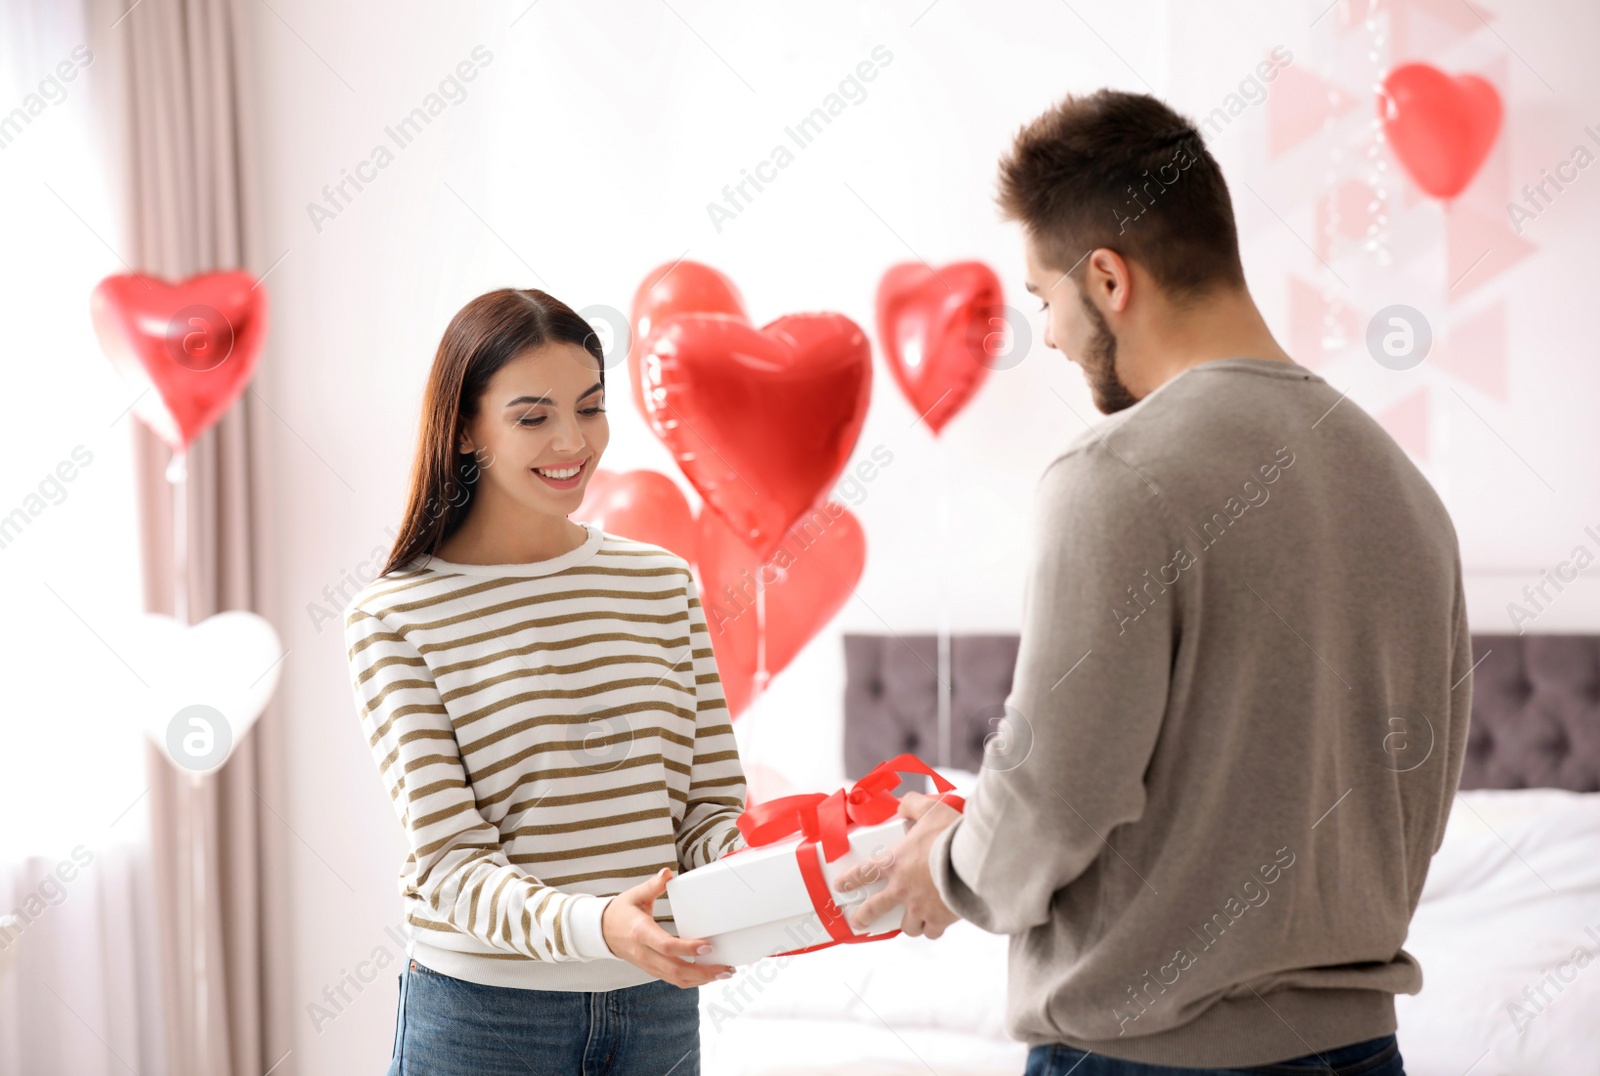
column 176, row 95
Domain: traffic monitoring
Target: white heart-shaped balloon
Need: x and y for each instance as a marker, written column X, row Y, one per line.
column 208, row 682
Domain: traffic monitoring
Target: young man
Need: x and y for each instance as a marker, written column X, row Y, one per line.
column 1240, row 706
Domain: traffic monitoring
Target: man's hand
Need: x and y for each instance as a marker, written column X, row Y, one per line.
column 906, row 867
column 631, row 932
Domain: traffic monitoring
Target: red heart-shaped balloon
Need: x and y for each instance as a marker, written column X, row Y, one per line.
column 196, row 343
column 934, row 327
column 805, row 583
column 680, row 287
column 761, row 421
column 646, row 506
column 1441, row 127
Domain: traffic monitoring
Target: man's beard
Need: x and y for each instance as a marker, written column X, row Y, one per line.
column 1099, row 362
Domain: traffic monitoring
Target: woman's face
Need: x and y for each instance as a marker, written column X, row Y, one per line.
column 541, row 429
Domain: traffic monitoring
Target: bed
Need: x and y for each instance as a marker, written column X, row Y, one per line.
column 1508, row 929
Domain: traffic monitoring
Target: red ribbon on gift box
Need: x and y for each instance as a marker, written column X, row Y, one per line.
column 826, row 819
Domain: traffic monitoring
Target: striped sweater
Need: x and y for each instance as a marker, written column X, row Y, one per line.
column 550, row 734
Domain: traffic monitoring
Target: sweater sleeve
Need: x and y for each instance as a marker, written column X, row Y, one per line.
column 1087, row 699
column 716, row 780
column 457, row 865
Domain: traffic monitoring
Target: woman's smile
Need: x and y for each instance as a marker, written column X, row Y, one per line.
column 564, row 475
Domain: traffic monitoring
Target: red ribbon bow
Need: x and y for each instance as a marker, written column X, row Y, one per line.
column 827, row 819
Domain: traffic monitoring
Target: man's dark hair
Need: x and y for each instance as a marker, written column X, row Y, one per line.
column 1123, row 171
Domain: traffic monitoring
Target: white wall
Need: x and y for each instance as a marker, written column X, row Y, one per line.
column 584, row 153
column 1515, row 467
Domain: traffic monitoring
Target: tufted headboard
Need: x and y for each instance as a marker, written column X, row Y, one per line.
column 1535, row 705
column 891, row 698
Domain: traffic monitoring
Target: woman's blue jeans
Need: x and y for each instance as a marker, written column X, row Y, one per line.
column 449, row 1027
column 1375, row 1057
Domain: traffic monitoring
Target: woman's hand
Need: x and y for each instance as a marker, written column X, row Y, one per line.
column 631, row 932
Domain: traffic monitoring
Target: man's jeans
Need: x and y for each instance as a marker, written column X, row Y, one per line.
column 1375, row 1057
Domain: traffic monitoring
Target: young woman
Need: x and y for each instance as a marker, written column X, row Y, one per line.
column 546, row 716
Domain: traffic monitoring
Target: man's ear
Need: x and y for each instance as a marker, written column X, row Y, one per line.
column 1112, row 278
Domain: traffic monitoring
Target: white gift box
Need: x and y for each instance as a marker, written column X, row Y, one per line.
column 754, row 903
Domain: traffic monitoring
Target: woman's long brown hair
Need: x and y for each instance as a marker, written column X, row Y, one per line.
column 484, row 335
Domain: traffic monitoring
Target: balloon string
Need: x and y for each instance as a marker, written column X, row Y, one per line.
column 942, row 527
column 197, row 868
column 760, row 683
column 761, row 635
column 178, row 476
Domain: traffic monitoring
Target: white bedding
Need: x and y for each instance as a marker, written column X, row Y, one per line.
column 1489, row 925
column 1512, row 897
column 899, row 1005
